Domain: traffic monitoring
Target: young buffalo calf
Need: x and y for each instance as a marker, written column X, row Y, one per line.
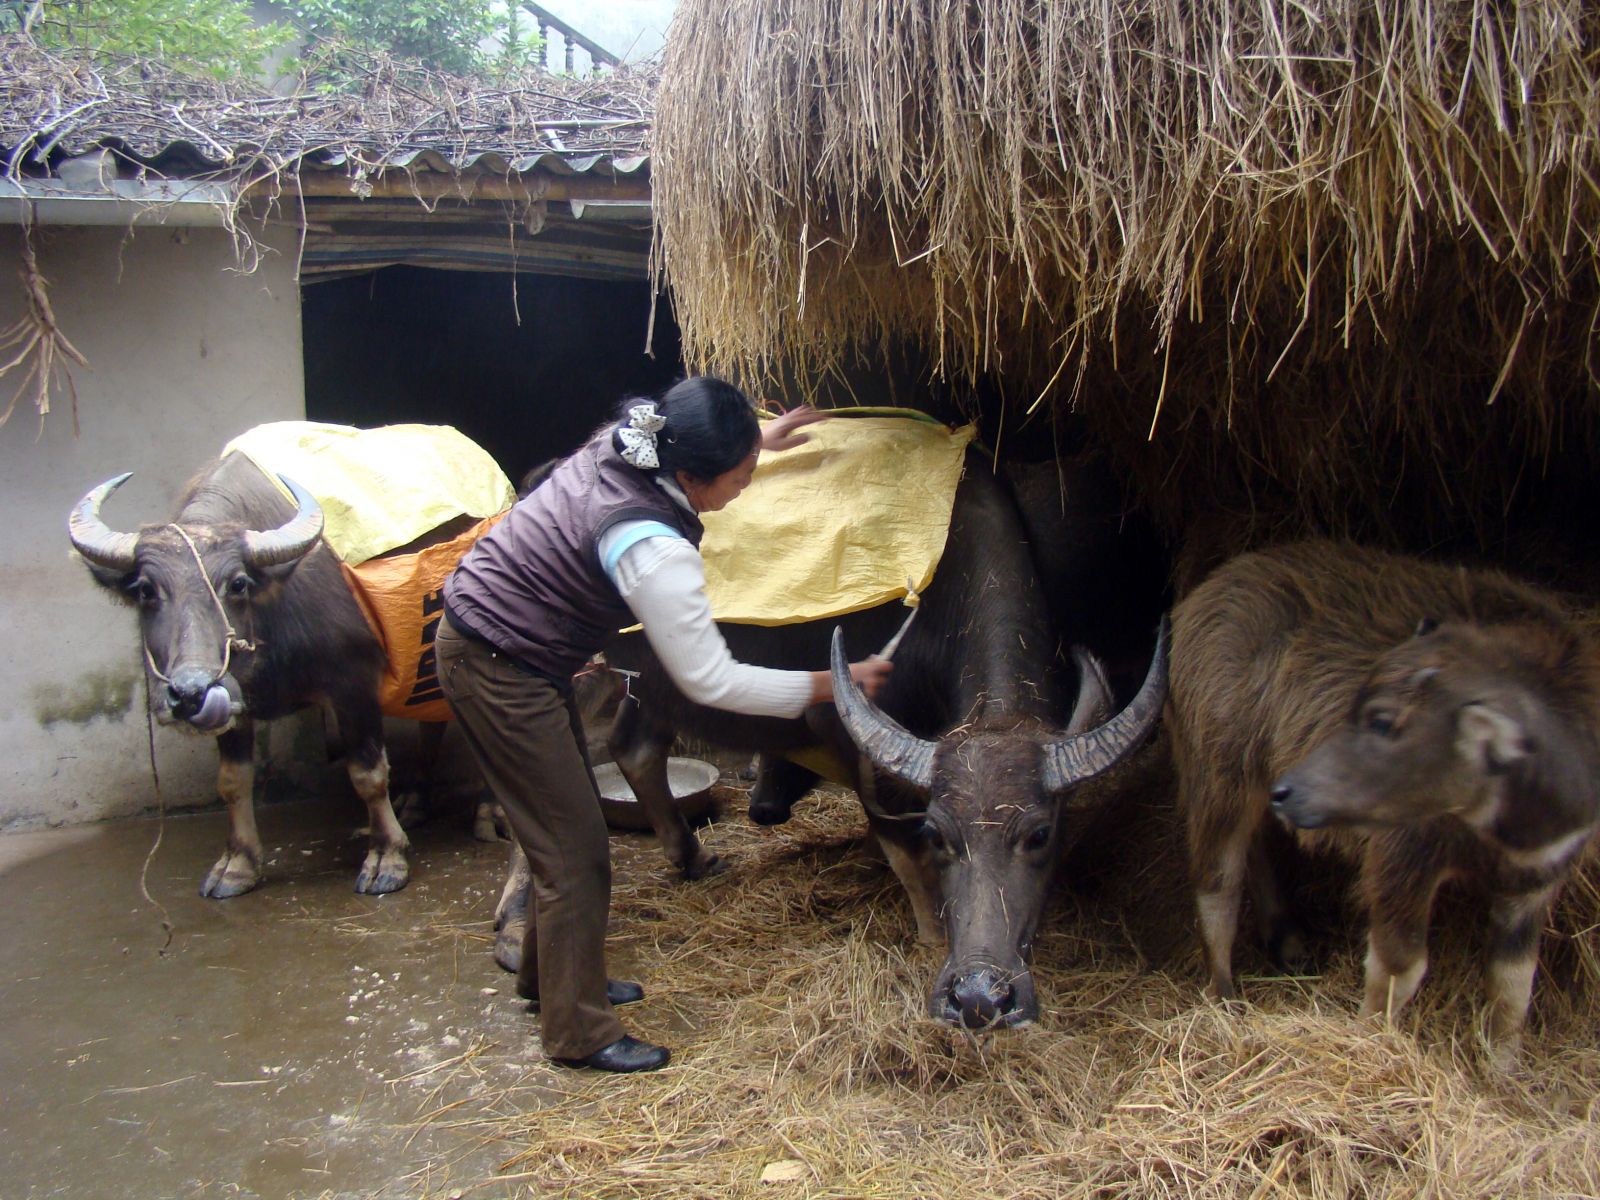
column 1430, row 722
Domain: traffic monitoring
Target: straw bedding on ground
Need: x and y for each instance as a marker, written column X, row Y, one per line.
column 792, row 991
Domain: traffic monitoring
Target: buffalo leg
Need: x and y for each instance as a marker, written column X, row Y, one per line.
column 1219, row 854
column 921, row 882
column 908, row 859
column 239, row 868
column 415, row 805
column 779, row 784
column 640, row 747
column 511, row 914
column 385, row 868
column 1514, row 926
column 1271, row 901
column 1400, row 876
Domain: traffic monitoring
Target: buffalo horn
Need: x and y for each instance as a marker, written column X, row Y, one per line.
column 890, row 747
column 1079, row 758
column 1094, row 693
column 274, row 547
column 93, row 538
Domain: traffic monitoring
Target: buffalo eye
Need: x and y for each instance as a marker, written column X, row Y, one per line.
column 1038, row 838
column 935, row 839
column 141, row 591
column 239, row 586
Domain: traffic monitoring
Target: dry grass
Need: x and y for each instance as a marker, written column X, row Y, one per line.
column 61, row 102
column 1337, row 258
column 792, row 995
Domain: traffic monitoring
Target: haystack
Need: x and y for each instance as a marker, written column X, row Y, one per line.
column 1327, row 264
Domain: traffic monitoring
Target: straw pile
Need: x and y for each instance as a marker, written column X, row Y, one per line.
column 792, row 992
column 64, row 102
column 1334, row 257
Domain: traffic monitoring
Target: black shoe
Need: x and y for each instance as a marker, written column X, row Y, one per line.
column 618, row 991
column 624, row 1054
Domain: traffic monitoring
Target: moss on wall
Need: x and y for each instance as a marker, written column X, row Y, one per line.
column 107, row 693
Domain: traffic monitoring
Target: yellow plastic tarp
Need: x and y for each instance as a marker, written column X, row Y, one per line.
column 380, row 488
column 837, row 524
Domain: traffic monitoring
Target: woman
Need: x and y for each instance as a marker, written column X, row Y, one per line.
column 609, row 538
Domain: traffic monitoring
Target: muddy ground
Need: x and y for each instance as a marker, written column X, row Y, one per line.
column 298, row 1041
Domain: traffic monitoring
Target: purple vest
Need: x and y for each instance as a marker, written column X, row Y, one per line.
column 532, row 586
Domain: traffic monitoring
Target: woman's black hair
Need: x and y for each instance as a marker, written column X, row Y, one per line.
column 711, row 427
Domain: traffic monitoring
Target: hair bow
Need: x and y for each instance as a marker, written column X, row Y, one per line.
column 638, row 435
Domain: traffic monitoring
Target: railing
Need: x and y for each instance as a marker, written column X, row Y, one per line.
column 571, row 39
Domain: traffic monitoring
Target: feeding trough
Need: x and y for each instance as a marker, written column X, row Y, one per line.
column 690, row 780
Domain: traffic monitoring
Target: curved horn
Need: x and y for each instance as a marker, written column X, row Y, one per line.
column 93, row 538
column 289, row 541
column 1079, row 758
column 890, row 747
column 1094, row 693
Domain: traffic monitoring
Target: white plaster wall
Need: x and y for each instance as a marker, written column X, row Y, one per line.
column 184, row 352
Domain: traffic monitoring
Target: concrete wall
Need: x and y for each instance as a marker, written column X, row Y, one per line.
column 184, row 352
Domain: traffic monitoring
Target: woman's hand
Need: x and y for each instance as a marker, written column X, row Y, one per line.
column 781, row 433
column 869, row 673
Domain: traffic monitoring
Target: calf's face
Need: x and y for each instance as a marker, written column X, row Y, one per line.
column 1438, row 729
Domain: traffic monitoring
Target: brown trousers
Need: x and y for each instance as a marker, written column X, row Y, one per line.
column 529, row 743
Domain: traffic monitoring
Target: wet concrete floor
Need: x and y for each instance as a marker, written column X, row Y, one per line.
column 297, row 1041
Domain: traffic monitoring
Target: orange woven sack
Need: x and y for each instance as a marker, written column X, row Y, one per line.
column 402, row 597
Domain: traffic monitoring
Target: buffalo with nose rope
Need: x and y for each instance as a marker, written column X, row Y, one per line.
column 244, row 616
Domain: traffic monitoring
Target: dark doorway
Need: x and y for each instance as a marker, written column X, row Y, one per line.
column 447, row 348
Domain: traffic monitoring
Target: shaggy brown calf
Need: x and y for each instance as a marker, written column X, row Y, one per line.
column 1430, row 722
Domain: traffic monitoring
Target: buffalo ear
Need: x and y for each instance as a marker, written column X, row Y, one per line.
column 1492, row 739
column 277, row 573
column 1423, row 677
column 118, row 583
column 1425, row 626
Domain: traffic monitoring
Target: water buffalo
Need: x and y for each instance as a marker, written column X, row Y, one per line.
column 962, row 770
column 1431, row 722
column 244, row 616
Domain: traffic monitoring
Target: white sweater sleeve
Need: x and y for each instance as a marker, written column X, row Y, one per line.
column 663, row 581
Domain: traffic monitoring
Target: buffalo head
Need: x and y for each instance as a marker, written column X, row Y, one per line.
column 1445, row 724
column 195, row 586
column 992, row 823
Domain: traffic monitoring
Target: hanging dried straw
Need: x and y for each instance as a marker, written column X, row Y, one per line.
column 36, row 345
column 792, row 993
column 1310, row 249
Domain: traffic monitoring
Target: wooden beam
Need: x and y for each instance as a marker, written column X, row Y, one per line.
column 436, row 185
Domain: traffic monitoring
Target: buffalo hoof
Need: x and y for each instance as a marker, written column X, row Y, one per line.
column 1289, row 952
column 704, row 866
column 383, row 871
column 764, row 811
column 508, row 946
column 234, row 875
column 488, row 822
